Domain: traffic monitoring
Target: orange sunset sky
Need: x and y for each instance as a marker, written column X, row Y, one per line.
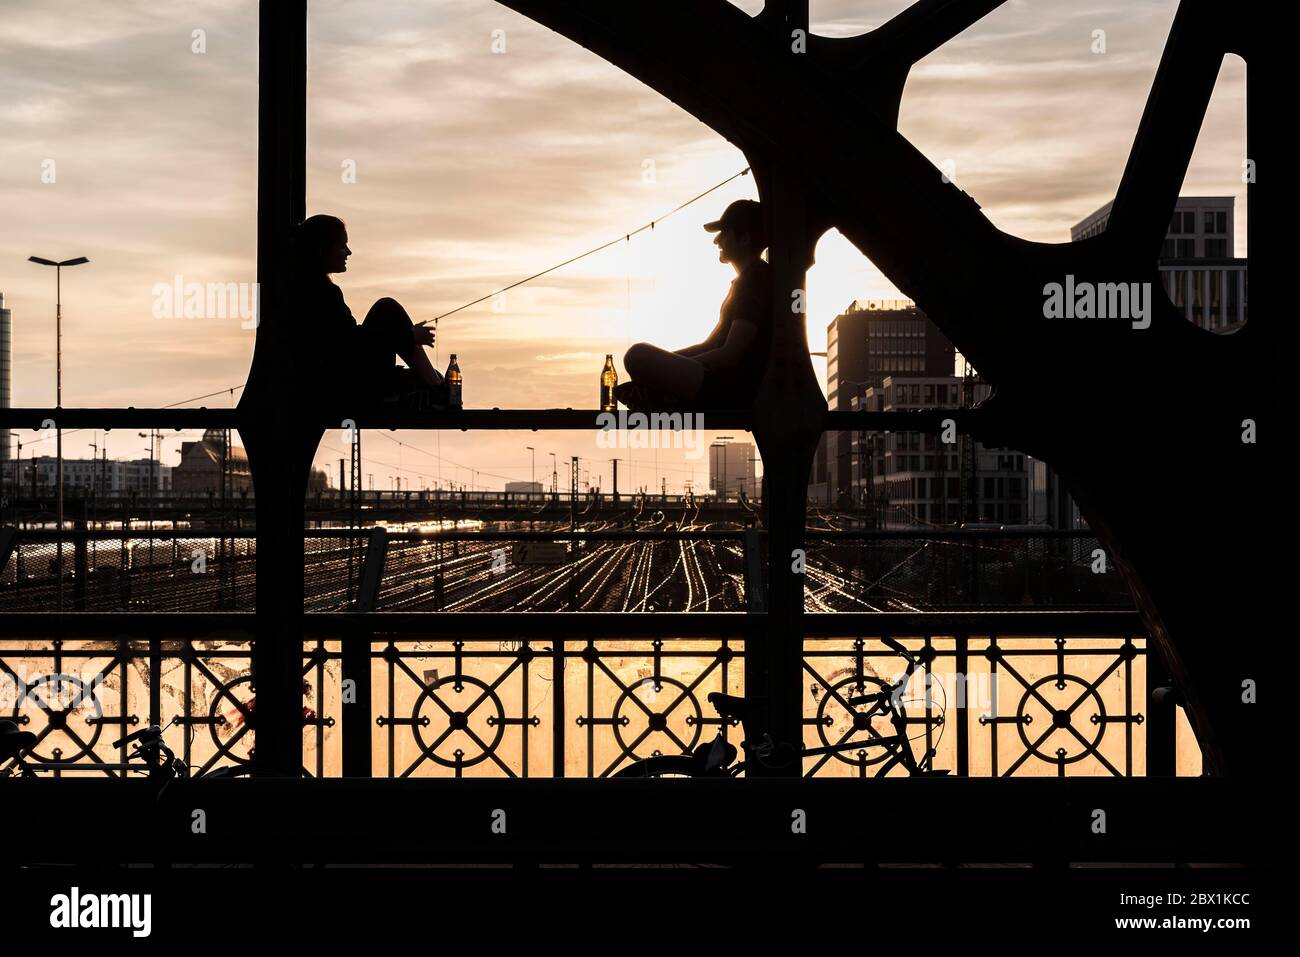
column 475, row 169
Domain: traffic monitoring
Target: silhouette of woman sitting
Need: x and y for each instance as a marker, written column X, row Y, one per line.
column 349, row 361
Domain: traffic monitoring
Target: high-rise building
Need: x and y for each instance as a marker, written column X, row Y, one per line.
column 1050, row 502
column 1199, row 272
column 868, row 342
column 731, row 469
column 914, row 479
column 1201, row 277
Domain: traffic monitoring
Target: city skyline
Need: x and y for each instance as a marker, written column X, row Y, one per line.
column 516, row 166
column 945, row 563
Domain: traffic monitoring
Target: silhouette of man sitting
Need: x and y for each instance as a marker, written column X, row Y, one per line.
column 355, row 362
column 723, row 371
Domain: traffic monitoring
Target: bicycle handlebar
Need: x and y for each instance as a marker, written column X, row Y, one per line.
column 153, row 729
column 895, row 645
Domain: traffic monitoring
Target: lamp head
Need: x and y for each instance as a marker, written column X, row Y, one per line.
column 41, row 261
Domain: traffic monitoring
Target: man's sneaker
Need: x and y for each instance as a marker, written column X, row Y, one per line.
column 640, row 398
column 428, row 398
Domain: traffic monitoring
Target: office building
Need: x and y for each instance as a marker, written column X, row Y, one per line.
column 731, row 469
column 524, row 488
column 1197, row 267
column 913, row 479
column 84, row 477
column 1050, row 502
column 870, row 341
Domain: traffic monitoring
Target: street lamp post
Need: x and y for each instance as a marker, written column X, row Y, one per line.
column 58, row 391
column 152, row 436
column 94, row 478
column 533, row 476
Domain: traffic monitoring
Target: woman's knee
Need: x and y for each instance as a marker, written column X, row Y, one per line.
column 638, row 358
column 389, row 324
column 388, row 311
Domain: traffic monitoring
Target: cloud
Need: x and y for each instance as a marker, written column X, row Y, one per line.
column 476, row 169
column 566, row 356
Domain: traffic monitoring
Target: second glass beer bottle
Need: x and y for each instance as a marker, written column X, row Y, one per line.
column 453, row 383
column 608, row 380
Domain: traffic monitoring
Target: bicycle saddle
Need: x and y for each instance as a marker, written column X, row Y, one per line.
column 14, row 740
column 734, row 706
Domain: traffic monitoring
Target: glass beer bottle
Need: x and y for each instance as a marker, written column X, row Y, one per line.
column 608, row 380
column 453, row 383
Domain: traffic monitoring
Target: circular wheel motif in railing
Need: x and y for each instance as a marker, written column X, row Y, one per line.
column 646, row 720
column 1063, row 699
column 839, row 720
column 231, row 718
column 67, row 704
column 456, row 705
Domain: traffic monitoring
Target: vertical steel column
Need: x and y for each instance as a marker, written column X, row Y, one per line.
column 354, row 506
column 961, row 711
column 558, row 719
column 358, row 757
column 787, row 426
column 280, row 445
column 1161, row 712
column 788, row 417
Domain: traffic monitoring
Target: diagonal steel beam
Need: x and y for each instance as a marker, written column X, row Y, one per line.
column 1099, row 401
column 1171, row 122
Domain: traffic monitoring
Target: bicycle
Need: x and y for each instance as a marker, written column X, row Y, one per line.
column 150, row 756
column 714, row 759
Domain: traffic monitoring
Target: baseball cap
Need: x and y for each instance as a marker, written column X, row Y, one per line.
column 744, row 215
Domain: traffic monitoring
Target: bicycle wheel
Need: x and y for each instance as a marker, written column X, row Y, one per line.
column 688, row 766
column 667, row 766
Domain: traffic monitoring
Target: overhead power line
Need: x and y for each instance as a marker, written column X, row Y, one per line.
column 591, row 252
